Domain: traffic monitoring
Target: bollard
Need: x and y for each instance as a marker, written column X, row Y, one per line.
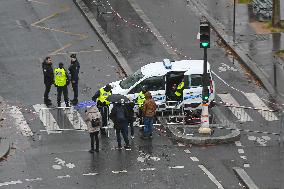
column 205, row 129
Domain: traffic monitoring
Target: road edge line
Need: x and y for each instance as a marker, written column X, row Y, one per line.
column 245, row 178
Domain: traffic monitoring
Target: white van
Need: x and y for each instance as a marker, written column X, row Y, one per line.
column 159, row 77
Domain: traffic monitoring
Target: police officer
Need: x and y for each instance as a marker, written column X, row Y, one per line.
column 140, row 101
column 74, row 73
column 61, row 82
column 48, row 78
column 103, row 105
column 179, row 90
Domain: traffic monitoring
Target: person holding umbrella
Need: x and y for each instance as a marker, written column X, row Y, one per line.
column 120, row 117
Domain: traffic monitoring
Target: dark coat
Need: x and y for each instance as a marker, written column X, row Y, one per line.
column 74, row 70
column 47, row 73
column 130, row 110
column 113, row 114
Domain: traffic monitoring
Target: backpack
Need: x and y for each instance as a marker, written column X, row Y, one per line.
column 96, row 122
column 120, row 114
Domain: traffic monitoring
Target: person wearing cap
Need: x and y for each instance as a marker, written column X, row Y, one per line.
column 61, row 81
column 101, row 98
column 48, row 78
column 74, row 73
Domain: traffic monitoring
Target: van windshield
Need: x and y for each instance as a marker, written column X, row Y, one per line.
column 131, row 80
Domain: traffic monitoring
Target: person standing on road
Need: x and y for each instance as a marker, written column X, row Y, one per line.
column 119, row 116
column 74, row 73
column 131, row 118
column 101, row 98
column 94, row 122
column 149, row 112
column 140, row 101
column 48, row 78
column 61, row 82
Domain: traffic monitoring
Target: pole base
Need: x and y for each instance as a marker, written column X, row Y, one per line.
column 205, row 130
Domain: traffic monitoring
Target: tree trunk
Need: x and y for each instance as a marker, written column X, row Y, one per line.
column 276, row 14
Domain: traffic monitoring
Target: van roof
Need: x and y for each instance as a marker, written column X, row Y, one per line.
column 189, row 66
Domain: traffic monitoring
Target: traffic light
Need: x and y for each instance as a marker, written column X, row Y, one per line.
column 204, row 34
column 205, row 94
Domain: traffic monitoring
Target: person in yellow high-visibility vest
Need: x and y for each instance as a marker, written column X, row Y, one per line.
column 140, row 101
column 179, row 91
column 61, row 81
column 103, row 105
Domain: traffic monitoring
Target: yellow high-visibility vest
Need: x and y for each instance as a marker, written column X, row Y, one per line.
column 179, row 88
column 60, row 77
column 103, row 96
column 140, row 99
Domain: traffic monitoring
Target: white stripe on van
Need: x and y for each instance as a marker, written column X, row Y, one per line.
column 259, row 104
column 238, row 112
column 47, row 118
column 20, row 121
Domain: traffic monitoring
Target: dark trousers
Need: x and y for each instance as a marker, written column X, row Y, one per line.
column 131, row 127
column 123, row 129
column 75, row 90
column 63, row 89
column 47, row 90
column 105, row 113
column 95, row 135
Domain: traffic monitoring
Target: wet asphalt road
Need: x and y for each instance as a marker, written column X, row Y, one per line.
column 33, row 163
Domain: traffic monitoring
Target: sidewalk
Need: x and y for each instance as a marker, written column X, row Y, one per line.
column 255, row 50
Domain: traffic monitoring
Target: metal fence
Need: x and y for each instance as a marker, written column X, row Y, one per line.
column 262, row 8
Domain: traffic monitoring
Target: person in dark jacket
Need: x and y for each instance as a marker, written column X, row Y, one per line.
column 74, row 69
column 48, row 78
column 119, row 116
column 130, row 109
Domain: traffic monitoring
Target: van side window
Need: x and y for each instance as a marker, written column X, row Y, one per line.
column 150, row 84
column 195, row 80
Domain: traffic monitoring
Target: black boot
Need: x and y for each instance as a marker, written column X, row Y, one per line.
column 59, row 104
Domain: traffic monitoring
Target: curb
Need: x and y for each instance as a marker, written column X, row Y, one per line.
column 90, row 17
column 176, row 135
column 245, row 178
column 4, row 148
column 236, row 49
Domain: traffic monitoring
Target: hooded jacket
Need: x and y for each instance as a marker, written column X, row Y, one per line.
column 93, row 113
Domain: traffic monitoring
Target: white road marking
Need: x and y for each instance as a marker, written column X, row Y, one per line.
column 155, row 158
column 148, row 169
column 90, row 174
column 177, row 167
column 212, row 178
column 246, row 165
column 226, row 67
column 122, row 171
column 20, row 121
column 244, row 157
column 238, row 112
column 187, row 151
column 75, row 118
column 11, row 182
column 57, row 167
column 194, row 159
column 47, row 118
column 238, row 143
column 259, row 104
column 64, row 176
column 251, row 138
column 241, row 151
column 31, row 180
column 180, row 144
column 70, row 165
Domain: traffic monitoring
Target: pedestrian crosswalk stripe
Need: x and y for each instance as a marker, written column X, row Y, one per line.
column 238, row 112
column 259, row 104
column 20, row 121
column 75, row 118
column 47, row 118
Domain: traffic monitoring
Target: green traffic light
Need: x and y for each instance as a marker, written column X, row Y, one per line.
column 204, row 44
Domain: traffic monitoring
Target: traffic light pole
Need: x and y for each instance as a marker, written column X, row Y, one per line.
column 204, row 128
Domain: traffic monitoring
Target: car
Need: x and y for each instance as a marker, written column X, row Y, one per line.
column 159, row 77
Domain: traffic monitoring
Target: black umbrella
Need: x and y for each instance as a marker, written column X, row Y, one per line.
column 117, row 98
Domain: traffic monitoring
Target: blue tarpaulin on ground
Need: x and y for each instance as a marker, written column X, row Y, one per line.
column 85, row 104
